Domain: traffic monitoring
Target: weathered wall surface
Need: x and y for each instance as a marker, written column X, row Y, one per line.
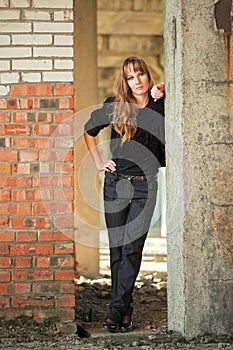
column 198, row 75
column 36, row 158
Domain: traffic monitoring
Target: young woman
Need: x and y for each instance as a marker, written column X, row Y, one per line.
column 130, row 185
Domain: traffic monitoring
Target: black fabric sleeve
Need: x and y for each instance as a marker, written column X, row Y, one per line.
column 100, row 118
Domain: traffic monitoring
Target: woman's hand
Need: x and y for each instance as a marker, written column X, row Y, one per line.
column 110, row 165
column 157, row 91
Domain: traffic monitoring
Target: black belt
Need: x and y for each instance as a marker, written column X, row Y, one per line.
column 132, row 177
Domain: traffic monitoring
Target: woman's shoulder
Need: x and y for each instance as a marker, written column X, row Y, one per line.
column 110, row 99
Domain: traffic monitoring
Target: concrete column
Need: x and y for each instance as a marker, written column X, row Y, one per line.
column 86, row 95
column 198, row 78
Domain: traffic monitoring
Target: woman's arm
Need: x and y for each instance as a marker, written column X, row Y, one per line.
column 110, row 165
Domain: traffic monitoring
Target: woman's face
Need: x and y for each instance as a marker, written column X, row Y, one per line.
column 137, row 81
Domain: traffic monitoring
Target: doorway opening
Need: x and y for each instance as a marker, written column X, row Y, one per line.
column 111, row 32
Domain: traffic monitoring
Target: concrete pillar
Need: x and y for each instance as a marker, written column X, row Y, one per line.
column 86, row 95
column 198, row 78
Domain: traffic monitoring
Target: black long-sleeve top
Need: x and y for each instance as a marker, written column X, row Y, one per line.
column 145, row 152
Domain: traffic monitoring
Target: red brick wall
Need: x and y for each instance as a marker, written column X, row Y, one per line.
column 36, row 201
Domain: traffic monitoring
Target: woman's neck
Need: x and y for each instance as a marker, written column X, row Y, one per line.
column 142, row 101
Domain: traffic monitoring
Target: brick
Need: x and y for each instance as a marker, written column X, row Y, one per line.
column 64, row 248
column 63, row 40
column 4, row 65
column 8, row 155
column 16, row 181
column 64, row 129
column 28, row 156
column 64, row 168
column 4, row 90
column 37, row 15
column 50, row 52
column 46, row 129
column 64, row 301
column 9, row 14
column 59, row 155
column 64, row 222
column 40, row 117
column 64, row 90
column 32, row 195
column 13, row 289
column 13, row 52
column 4, row 117
column 61, row 117
column 20, row 209
column 43, row 301
column 2, row 103
column 5, row 40
column 7, row 236
column 14, row 103
column 21, row 169
column 31, row 77
column 46, row 168
column 4, row 3
column 58, row 76
column 31, row 90
column 32, row 275
column 66, row 16
column 45, row 142
column 67, row 4
column 45, row 103
column 53, row 287
column 5, row 276
column 17, row 129
column 9, row 78
column 23, row 262
column 20, row 3
column 4, row 248
column 31, row 249
column 51, row 236
column 31, row 222
column 64, row 275
column 63, row 64
column 5, row 195
column 12, row 314
column 32, row 65
column 15, row 209
column 26, row 236
column 4, row 222
column 63, row 194
column 4, row 302
column 6, row 264
column 5, row 168
column 52, row 208
column 22, row 143
column 61, row 314
column 55, row 262
column 53, row 181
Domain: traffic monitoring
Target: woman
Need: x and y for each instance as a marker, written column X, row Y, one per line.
column 130, row 185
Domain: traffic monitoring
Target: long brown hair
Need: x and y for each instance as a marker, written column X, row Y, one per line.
column 125, row 109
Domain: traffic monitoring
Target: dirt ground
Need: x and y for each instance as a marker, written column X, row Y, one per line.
column 149, row 302
column 92, row 300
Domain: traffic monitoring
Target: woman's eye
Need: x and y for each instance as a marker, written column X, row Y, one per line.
column 130, row 78
column 141, row 74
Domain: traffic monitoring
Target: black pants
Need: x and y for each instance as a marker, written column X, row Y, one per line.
column 129, row 206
